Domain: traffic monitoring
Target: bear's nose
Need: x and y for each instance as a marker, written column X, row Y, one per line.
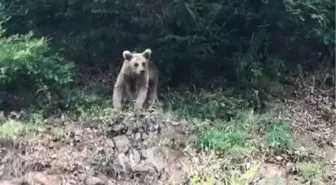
column 142, row 71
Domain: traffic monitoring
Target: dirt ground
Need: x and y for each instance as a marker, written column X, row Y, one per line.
column 139, row 149
column 147, row 149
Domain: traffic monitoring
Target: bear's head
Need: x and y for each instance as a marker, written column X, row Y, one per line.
column 137, row 63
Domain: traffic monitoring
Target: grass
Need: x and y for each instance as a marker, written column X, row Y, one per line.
column 225, row 124
column 12, row 128
column 229, row 126
column 210, row 171
column 313, row 171
column 278, row 137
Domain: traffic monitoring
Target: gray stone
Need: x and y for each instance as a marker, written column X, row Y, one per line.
column 272, row 181
column 94, row 181
column 137, row 136
column 134, row 157
column 122, row 143
column 123, row 161
column 155, row 156
column 7, row 182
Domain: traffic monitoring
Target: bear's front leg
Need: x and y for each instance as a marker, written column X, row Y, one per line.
column 142, row 94
column 117, row 97
column 152, row 95
column 118, row 92
column 129, row 92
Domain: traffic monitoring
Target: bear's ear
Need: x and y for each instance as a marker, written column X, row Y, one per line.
column 127, row 55
column 147, row 53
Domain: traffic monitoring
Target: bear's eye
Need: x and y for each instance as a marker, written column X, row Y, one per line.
column 143, row 63
column 136, row 65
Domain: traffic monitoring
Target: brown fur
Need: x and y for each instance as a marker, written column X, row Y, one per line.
column 138, row 78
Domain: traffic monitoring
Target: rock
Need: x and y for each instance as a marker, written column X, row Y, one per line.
column 278, row 158
column 53, row 120
column 124, row 158
column 137, row 136
column 177, row 177
column 110, row 143
column 129, row 132
column 330, row 152
column 122, row 143
column 118, row 129
column 7, row 182
column 144, row 136
column 110, row 183
column 155, row 157
column 18, row 115
column 290, row 167
column 270, row 171
column 123, row 161
column 272, row 181
column 93, row 181
column 134, row 157
column 42, row 179
column 175, row 123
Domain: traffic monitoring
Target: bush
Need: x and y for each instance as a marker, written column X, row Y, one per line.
column 29, row 66
column 279, row 138
column 220, row 140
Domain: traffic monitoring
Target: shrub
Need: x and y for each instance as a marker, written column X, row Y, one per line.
column 230, row 141
column 278, row 137
column 29, row 66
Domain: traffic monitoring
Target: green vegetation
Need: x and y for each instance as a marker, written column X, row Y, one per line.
column 31, row 70
column 235, row 127
column 11, row 128
column 278, row 137
column 312, row 170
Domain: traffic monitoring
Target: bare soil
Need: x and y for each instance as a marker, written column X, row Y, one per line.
column 142, row 149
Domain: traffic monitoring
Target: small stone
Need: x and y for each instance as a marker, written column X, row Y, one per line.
column 58, row 121
column 129, row 132
column 137, row 136
column 122, row 143
column 156, row 127
column 134, row 157
column 144, row 136
column 175, row 123
column 155, row 157
column 110, row 143
column 290, row 167
column 42, row 178
column 110, row 182
column 119, row 129
column 94, row 181
column 6, row 182
column 278, row 158
column 77, row 138
column 178, row 177
column 272, row 181
column 123, row 161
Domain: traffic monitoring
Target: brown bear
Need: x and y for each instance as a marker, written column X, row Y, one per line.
column 138, row 77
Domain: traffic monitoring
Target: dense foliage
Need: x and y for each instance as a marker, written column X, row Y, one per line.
column 30, row 69
column 246, row 43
